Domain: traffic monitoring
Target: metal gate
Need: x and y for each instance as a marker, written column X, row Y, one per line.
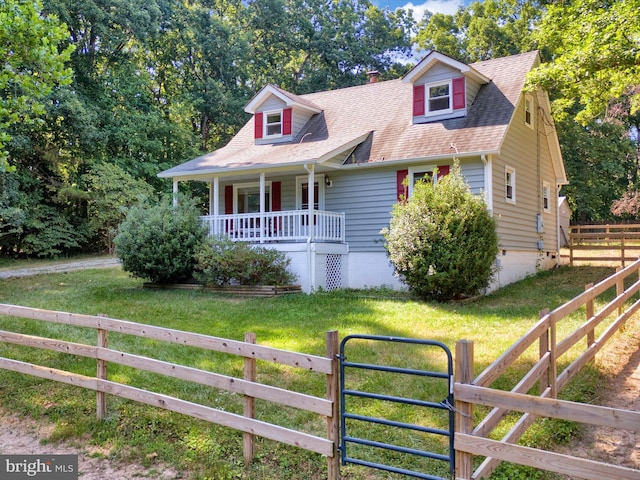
column 385, row 444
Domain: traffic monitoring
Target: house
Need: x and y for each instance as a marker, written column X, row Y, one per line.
column 358, row 146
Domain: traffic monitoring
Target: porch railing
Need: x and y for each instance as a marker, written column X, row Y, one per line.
column 287, row 226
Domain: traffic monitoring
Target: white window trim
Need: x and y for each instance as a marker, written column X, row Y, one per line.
column 239, row 186
column 546, row 193
column 317, row 178
column 422, row 169
column 512, row 172
column 427, row 111
column 265, row 126
column 529, row 107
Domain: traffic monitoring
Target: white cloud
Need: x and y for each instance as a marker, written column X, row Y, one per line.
column 448, row 7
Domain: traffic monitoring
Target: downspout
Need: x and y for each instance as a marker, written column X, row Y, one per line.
column 487, row 160
column 311, row 254
column 262, row 207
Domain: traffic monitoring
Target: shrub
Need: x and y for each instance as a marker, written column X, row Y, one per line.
column 158, row 242
column 221, row 261
column 442, row 242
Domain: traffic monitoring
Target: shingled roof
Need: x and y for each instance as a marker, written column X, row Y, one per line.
column 378, row 118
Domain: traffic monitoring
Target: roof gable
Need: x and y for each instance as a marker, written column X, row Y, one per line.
column 290, row 100
column 436, row 57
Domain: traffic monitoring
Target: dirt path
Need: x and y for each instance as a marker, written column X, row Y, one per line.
column 621, row 362
column 102, row 262
column 24, row 436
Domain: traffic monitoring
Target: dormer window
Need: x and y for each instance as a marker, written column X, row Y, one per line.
column 438, row 98
column 273, row 124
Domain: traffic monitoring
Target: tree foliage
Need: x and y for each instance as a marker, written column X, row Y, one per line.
column 33, row 63
column 594, row 53
column 111, row 191
column 442, row 241
column 481, row 30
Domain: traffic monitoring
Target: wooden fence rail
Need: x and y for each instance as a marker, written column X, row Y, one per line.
column 617, row 242
column 467, row 393
column 247, row 386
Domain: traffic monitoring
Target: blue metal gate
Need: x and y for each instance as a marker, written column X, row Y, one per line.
column 445, row 405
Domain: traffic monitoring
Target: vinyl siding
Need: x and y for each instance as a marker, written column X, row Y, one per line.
column 438, row 73
column 526, row 151
column 367, row 198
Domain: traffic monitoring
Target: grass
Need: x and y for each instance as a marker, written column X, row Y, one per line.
column 297, row 322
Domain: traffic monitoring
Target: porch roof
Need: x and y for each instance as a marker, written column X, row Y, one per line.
column 372, row 124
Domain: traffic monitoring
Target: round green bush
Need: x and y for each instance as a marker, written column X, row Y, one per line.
column 158, row 242
column 443, row 242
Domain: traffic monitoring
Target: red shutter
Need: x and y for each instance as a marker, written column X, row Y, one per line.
column 286, row 121
column 443, row 170
column 459, row 98
column 276, row 196
column 418, row 100
column 276, row 204
column 228, row 199
column 258, row 119
column 401, row 185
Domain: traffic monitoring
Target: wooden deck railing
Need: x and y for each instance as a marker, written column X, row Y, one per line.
column 617, row 243
column 247, row 386
column 473, row 440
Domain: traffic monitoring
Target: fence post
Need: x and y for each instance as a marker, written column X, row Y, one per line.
column 101, row 374
column 553, row 366
column 622, row 250
column 571, row 235
column 591, row 335
column 543, row 350
column 333, row 422
column 464, row 411
column 249, row 403
column 101, row 397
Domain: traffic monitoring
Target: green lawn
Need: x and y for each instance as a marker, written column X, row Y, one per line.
column 295, row 322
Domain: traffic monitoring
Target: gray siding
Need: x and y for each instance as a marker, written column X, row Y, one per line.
column 526, row 151
column 367, row 198
column 439, row 72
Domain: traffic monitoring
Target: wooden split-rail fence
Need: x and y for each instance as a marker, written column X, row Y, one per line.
column 247, row 386
column 590, row 337
column 618, row 243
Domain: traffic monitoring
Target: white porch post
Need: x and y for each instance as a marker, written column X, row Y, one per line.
column 263, row 208
column 311, row 191
column 175, row 193
column 214, row 205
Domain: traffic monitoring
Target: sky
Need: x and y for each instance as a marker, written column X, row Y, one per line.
column 419, row 7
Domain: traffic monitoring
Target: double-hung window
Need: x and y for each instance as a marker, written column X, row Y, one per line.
column 273, row 124
column 510, row 184
column 438, row 98
column 528, row 111
column 546, row 197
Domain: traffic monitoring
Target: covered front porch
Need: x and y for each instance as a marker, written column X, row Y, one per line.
column 282, row 226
